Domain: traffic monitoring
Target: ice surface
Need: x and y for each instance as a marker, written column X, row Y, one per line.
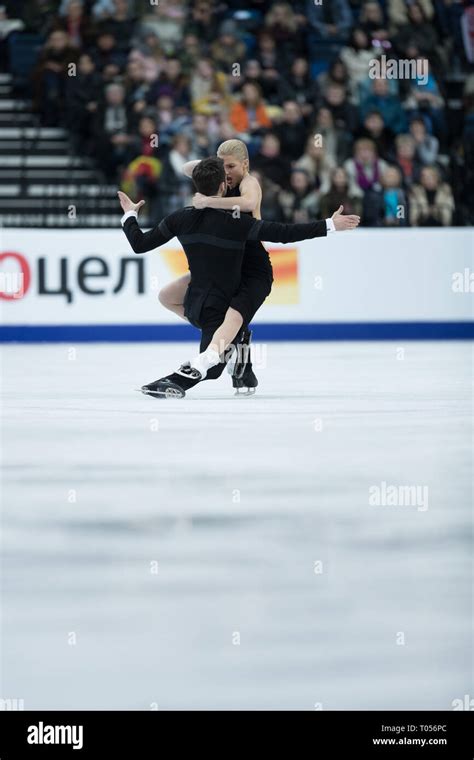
column 236, row 500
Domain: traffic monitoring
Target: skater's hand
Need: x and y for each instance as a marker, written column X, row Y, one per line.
column 346, row 222
column 200, row 200
column 127, row 204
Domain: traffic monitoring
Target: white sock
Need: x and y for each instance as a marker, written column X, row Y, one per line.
column 203, row 362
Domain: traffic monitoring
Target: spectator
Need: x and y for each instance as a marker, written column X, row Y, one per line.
column 336, row 142
column 83, row 93
column 228, row 48
column 426, row 145
column 202, row 21
column 291, row 131
column 166, row 20
column 111, row 132
column 424, row 99
column 249, row 116
column 300, row 86
column 109, row 60
column 365, row 169
column 344, row 114
column 284, row 26
column 373, row 22
column 208, row 88
column 431, row 202
column 338, row 194
column 176, row 188
column 50, row 77
column 121, row 24
column 317, row 163
column 76, row 23
column 270, row 162
column 172, row 82
column 387, row 105
column 300, row 202
column 330, row 25
column 357, row 57
column 387, row 206
column 374, row 128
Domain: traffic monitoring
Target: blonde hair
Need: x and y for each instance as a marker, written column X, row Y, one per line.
column 235, row 148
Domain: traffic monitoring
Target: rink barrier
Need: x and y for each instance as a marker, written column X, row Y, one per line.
column 265, row 331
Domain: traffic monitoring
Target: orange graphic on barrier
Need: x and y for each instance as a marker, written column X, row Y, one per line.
column 285, row 272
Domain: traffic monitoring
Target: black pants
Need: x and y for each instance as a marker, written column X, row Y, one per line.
column 206, row 307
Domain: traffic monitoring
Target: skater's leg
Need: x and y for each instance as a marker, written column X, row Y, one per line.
column 212, row 349
column 172, row 295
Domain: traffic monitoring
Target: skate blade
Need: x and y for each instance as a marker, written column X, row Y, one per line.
column 242, row 393
column 168, row 393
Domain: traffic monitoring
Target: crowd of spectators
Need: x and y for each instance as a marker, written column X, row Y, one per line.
column 145, row 86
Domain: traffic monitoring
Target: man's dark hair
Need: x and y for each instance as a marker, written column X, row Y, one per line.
column 208, row 175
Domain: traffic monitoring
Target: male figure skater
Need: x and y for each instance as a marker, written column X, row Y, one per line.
column 243, row 194
column 214, row 243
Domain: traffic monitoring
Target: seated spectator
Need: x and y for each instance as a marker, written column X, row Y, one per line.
column 431, row 201
column 300, row 86
column 270, row 208
column 318, row 164
column 338, row 194
column 136, row 89
column 147, row 52
column 365, row 169
column 203, row 136
column 121, row 23
column 76, row 23
column 253, row 73
column 336, row 74
column 166, row 20
column 387, row 206
column 83, row 93
column 300, row 202
column 388, row 105
column 228, row 47
column 190, row 53
column 111, row 132
column 175, row 187
column 271, row 60
column 330, row 25
column 344, row 114
column 202, row 21
column 249, row 116
column 374, row 128
column 337, row 142
column 374, row 24
column 426, row 145
column 292, row 131
column 172, row 82
column 50, row 77
column 109, row 60
column 424, row 98
column 398, row 11
column 418, row 31
column 207, row 88
column 283, row 24
column 357, row 57
column 270, row 162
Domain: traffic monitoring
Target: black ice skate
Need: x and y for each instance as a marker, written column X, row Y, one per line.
column 243, row 376
column 174, row 385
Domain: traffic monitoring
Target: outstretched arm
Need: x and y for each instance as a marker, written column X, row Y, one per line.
column 250, row 195
column 141, row 241
column 275, row 232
